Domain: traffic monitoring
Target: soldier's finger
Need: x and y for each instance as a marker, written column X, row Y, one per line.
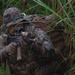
column 14, row 44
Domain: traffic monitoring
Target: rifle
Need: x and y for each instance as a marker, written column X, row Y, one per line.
column 30, row 38
column 16, row 38
column 26, row 36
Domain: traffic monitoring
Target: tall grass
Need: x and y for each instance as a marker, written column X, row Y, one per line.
column 64, row 10
column 68, row 17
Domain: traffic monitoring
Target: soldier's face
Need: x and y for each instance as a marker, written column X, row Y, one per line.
column 12, row 28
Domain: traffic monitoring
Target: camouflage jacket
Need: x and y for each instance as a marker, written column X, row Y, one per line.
column 40, row 57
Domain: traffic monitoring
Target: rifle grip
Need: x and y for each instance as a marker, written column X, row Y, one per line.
column 19, row 55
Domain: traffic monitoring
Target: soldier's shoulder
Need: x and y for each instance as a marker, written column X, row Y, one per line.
column 1, row 41
column 28, row 17
column 32, row 17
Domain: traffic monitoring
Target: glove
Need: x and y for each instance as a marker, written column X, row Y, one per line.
column 11, row 48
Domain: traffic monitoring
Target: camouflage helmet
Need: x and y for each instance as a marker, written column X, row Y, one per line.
column 12, row 16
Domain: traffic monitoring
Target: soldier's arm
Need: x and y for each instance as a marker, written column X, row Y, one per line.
column 46, row 47
column 3, row 53
column 6, row 50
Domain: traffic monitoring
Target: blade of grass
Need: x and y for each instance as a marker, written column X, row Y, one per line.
column 17, row 3
column 9, row 3
column 65, row 12
column 48, row 8
column 31, row 8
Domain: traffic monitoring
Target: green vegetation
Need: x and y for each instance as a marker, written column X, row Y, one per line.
column 63, row 9
column 3, row 71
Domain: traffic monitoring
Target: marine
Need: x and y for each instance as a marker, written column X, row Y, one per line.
column 26, row 46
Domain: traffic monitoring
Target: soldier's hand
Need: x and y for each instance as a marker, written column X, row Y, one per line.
column 11, row 48
column 23, row 44
column 28, row 37
column 24, row 40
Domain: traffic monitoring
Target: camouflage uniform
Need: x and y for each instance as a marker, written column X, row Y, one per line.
column 36, row 59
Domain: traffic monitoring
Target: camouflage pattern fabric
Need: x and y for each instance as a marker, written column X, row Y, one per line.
column 37, row 59
column 31, row 58
column 59, row 40
column 10, row 17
